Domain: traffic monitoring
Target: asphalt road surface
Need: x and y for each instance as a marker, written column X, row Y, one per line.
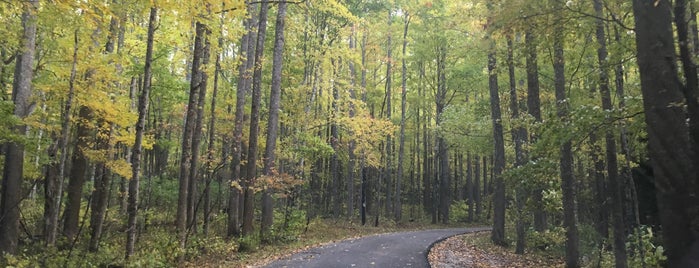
column 404, row 249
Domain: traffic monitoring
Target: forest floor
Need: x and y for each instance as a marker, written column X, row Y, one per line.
column 475, row 250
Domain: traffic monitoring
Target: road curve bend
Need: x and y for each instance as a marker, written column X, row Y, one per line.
column 403, row 249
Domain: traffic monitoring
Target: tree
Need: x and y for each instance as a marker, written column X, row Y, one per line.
column 248, row 206
column 498, row 233
column 401, row 142
column 611, row 152
column 143, row 101
column 247, row 61
column 668, row 136
column 273, row 121
column 14, row 151
column 566, row 153
column 182, row 217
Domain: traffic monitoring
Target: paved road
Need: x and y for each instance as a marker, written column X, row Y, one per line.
column 404, row 249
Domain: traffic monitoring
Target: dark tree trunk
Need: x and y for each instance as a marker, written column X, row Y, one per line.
column 14, row 152
column 498, row 233
column 477, row 187
column 615, row 184
column 534, row 109
column 248, row 206
column 469, row 188
column 187, row 134
column 273, row 121
column 519, row 136
column 566, row 165
column 78, row 172
column 668, row 135
column 442, row 154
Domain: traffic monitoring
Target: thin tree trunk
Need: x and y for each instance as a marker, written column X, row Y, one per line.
column 534, row 109
column 401, row 143
column 273, row 121
column 615, row 184
column 246, row 53
column 190, row 123
column 566, row 165
column 143, row 101
column 55, row 190
column 388, row 168
column 249, row 199
column 519, row 136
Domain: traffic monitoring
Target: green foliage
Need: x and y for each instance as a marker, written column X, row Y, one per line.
column 643, row 248
column 289, row 225
column 458, row 211
column 549, row 240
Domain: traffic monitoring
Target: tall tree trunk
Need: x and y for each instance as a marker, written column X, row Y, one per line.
column 477, row 187
column 54, row 187
column 247, row 45
column 273, row 121
column 673, row 161
column 519, row 136
column 401, row 143
column 351, row 147
column 334, row 143
column 190, row 123
column 442, row 153
column 143, row 101
column 615, row 184
column 388, row 168
column 534, row 109
column 14, row 151
column 498, row 233
column 248, row 206
column 78, row 169
column 192, row 198
column 100, row 195
column 566, row 165
column 210, row 173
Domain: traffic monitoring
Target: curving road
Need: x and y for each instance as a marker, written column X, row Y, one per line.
column 404, row 249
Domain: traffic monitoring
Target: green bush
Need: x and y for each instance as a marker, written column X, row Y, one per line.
column 642, row 248
column 458, row 211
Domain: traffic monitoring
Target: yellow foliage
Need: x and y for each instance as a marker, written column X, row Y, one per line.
column 120, row 167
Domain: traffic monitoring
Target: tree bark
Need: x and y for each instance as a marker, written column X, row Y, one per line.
column 246, row 53
column 398, row 211
column 615, row 184
column 190, row 123
column 498, row 233
column 534, row 109
column 14, row 151
column 143, row 100
column 566, row 161
column 672, row 160
column 273, row 121
column 248, row 206
column 519, row 136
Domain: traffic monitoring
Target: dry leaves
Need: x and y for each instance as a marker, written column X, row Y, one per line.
column 461, row 251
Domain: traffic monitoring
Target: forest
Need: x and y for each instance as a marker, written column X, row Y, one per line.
column 165, row 132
